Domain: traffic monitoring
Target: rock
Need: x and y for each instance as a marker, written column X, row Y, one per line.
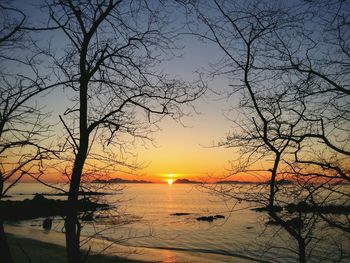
column 87, row 217
column 210, row 218
column 180, row 214
column 324, row 209
column 47, row 224
column 206, row 218
column 39, row 198
column 274, row 208
column 40, row 206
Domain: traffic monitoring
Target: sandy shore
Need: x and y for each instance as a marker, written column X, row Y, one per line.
column 51, row 243
column 33, row 251
column 43, row 239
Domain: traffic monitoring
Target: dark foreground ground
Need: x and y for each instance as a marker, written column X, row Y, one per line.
column 33, row 251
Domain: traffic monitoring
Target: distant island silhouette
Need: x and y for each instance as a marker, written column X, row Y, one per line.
column 235, row 182
column 181, row 181
column 120, row 181
column 185, row 181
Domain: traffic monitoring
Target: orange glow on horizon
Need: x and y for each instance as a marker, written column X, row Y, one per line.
column 168, row 178
column 161, row 176
column 170, row 181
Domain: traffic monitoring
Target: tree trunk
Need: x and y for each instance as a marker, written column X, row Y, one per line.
column 5, row 252
column 4, row 247
column 72, row 237
column 302, row 256
column 72, row 223
column 295, row 234
column 273, row 181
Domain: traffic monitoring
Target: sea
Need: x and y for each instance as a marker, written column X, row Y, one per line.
column 164, row 217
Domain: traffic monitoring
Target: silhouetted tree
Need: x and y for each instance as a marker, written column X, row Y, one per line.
column 288, row 62
column 22, row 127
column 108, row 64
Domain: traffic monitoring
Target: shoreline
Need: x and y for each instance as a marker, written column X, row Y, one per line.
column 56, row 242
column 30, row 250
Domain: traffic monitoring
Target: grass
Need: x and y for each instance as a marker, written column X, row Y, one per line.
column 28, row 250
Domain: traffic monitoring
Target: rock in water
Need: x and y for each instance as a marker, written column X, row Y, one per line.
column 206, row 218
column 180, row 214
column 47, row 224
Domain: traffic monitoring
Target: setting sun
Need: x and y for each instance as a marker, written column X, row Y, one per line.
column 170, row 181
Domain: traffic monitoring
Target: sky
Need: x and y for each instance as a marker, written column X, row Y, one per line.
column 189, row 152
column 177, row 151
column 186, row 149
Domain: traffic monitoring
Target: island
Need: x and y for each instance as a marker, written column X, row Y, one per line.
column 185, row 181
column 120, row 181
column 234, row 182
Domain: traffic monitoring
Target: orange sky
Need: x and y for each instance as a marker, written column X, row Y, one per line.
column 182, row 152
column 186, row 152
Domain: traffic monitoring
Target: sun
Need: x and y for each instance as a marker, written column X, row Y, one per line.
column 170, row 181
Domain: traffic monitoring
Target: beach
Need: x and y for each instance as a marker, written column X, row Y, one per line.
column 48, row 246
column 31, row 250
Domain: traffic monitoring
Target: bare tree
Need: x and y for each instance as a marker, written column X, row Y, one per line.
column 108, row 64
column 289, row 65
column 22, row 124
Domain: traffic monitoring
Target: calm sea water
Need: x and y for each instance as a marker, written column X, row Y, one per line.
column 142, row 215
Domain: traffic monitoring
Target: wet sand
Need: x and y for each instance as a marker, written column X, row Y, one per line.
column 136, row 254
